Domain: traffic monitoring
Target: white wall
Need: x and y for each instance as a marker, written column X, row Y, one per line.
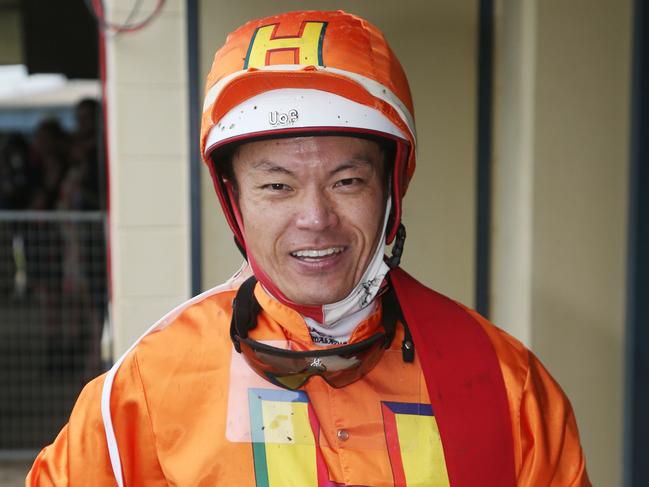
column 149, row 169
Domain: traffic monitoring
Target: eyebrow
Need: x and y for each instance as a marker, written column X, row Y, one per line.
column 272, row 167
column 354, row 162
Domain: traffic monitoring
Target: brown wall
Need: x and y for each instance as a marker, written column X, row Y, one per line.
column 562, row 135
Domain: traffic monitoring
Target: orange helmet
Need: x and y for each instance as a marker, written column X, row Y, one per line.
column 308, row 72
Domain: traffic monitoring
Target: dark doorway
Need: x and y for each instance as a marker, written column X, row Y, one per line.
column 637, row 399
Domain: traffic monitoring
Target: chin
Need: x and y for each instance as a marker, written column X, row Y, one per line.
column 317, row 299
column 316, row 291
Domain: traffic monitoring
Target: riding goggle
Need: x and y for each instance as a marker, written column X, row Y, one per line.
column 291, row 369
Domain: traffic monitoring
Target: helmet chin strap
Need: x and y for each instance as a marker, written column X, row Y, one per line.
column 397, row 249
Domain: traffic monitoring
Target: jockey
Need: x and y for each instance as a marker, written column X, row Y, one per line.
column 321, row 362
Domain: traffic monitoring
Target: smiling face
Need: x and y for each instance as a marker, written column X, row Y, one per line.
column 312, row 210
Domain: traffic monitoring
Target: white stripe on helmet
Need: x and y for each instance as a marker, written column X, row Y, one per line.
column 297, row 108
column 373, row 87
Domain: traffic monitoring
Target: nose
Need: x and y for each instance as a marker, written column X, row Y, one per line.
column 316, row 211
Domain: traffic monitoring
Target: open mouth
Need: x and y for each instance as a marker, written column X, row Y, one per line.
column 316, row 255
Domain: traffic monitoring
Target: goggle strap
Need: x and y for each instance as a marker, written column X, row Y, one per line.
column 407, row 345
column 390, row 313
column 245, row 309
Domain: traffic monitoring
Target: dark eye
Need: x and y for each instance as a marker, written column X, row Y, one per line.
column 347, row 182
column 277, row 187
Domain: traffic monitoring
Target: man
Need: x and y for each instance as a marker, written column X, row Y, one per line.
column 321, row 362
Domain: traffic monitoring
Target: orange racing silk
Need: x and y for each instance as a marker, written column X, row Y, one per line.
column 174, row 400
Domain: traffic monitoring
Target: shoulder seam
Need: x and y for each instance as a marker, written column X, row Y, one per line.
column 148, row 410
column 528, row 367
column 113, row 448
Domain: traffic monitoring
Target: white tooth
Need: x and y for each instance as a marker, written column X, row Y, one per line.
column 316, row 253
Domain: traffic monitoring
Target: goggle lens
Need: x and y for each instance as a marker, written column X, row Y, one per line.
column 291, row 369
column 340, row 367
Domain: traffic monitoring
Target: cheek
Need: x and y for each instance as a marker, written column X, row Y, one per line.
column 370, row 214
column 367, row 222
column 252, row 210
column 264, row 226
